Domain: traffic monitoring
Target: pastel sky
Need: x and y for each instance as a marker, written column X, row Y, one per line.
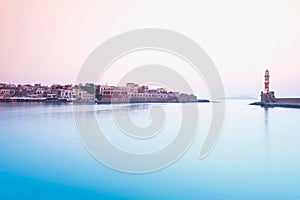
column 48, row 41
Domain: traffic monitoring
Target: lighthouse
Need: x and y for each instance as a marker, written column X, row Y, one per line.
column 267, row 82
column 267, row 95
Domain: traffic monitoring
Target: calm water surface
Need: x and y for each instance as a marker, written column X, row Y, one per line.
column 257, row 157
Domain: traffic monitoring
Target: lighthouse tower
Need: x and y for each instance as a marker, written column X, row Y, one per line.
column 267, row 95
column 267, row 81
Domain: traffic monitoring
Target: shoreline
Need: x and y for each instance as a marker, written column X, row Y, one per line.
column 58, row 101
column 128, row 101
column 33, row 100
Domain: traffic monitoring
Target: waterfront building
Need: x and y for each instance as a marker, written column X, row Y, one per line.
column 143, row 89
column 82, row 95
column 6, row 93
column 113, row 92
column 41, row 92
column 132, row 87
column 161, row 90
column 66, row 93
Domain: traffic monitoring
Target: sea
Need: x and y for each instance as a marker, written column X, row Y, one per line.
column 42, row 155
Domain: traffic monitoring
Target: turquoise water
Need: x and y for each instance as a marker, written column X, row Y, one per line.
column 257, row 157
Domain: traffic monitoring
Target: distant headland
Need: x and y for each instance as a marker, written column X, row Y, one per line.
column 268, row 98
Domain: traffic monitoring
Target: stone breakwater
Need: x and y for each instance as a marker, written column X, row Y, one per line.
column 276, row 104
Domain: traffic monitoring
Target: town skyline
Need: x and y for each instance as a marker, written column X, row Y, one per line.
column 91, row 93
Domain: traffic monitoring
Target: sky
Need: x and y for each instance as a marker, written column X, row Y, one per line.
column 48, row 41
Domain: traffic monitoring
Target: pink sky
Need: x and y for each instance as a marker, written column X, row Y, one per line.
column 47, row 41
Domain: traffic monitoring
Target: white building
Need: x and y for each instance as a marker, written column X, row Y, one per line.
column 66, row 94
column 40, row 92
column 82, row 95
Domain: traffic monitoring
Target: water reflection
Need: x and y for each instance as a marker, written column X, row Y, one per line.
column 266, row 133
column 266, row 117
